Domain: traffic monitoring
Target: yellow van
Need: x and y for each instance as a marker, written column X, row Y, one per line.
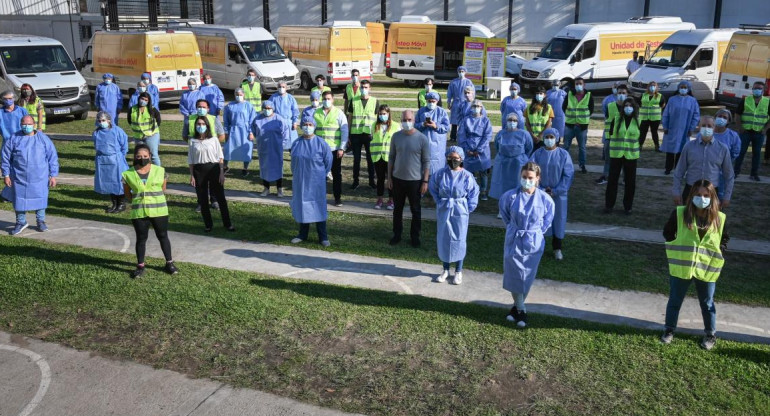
column 378, row 35
column 332, row 50
column 171, row 57
column 747, row 61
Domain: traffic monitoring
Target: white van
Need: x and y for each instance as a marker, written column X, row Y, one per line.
column 598, row 52
column 44, row 64
column 687, row 55
column 747, row 61
column 228, row 52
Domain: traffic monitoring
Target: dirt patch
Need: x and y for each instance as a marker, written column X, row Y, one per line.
column 19, row 340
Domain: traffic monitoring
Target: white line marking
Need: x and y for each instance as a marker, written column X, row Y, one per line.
column 598, row 230
column 45, row 376
column 126, row 239
column 400, row 284
column 296, row 272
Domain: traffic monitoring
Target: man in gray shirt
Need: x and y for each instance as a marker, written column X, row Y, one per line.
column 408, row 173
column 704, row 158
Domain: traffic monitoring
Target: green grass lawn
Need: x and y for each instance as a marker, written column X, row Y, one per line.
column 612, row 264
column 366, row 351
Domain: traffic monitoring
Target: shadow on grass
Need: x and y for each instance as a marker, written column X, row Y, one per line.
column 67, row 257
column 747, row 353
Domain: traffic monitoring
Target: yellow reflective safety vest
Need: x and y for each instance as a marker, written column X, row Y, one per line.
column 191, row 125
column 380, row 146
column 143, row 124
column 314, row 89
column 625, row 140
column 327, row 127
column 612, row 113
column 690, row 256
column 538, row 120
column 578, row 112
column 650, row 109
column 350, row 93
column 754, row 116
column 32, row 110
column 253, row 96
column 363, row 116
column 149, row 199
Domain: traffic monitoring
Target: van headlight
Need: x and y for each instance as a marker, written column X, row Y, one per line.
column 265, row 79
column 547, row 73
column 84, row 89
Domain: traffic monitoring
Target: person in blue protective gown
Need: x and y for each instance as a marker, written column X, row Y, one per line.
column 10, row 118
column 455, row 96
column 513, row 104
column 556, row 97
column 433, row 122
column 527, row 213
column 286, row 106
column 556, row 175
column 111, row 145
column 465, row 108
column 514, row 144
column 189, row 100
column 473, row 136
column 32, row 165
column 141, row 87
column 239, row 140
column 315, row 103
column 270, row 131
column 213, row 95
column 680, row 121
column 311, row 161
column 729, row 138
column 108, row 97
column 152, row 89
column 456, row 194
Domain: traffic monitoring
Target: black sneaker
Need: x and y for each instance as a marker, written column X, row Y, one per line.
column 215, row 206
column 601, row 181
column 372, row 185
column 337, row 202
column 583, row 169
column 708, row 342
column 198, row 208
column 521, row 322
column 138, row 273
column 607, row 210
column 394, row 241
column 244, row 173
column 120, row 208
column 513, row 315
column 415, row 242
column 628, row 211
column 667, row 336
column 354, row 186
column 170, row 268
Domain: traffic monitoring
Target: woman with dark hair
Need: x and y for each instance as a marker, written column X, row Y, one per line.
column 653, row 103
column 383, row 130
column 144, row 185
column 206, row 161
column 539, row 117
column 624, row 153
column 695, row 240
column 33, row 104
column 144, row 121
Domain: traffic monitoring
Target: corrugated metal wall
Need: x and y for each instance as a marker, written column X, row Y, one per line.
column 38, row 7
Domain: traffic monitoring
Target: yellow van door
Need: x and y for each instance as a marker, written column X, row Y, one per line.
column 350, row 49
column 186, row 59
column 377, row 40
column 412, row 51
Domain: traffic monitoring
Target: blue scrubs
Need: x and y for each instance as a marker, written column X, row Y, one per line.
column 311, row 160
column 437, row 136
column 457, row 195
column 111, row 148
column 513, row 150
column 270, row 133
column 557, row 173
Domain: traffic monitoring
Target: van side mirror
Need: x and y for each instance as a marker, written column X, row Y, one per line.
column 577, row 57
column 693, row 65
column 78, row 64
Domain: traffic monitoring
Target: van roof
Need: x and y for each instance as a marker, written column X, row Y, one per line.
column 253, row 32
column 694, row 37
column 26, row 40
column 581, row 29
column 418, row 19
column 141, row 32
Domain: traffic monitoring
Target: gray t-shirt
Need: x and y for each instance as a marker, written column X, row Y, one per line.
column 410, row 155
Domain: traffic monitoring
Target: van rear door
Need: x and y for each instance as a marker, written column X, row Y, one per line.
column 213, row 51
column 412, row 51
column 704, row 75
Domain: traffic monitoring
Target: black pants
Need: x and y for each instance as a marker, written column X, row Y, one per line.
column 653, row 127
column 686, row 193
column 278, row 183
column 336, row 176
column 358, row 141
column 453, row 133
column 401, row 191
column 628, row 166
column 142, row 229
column 556, row 243
column 207, row 180
column 381, row 168
column 671, row 160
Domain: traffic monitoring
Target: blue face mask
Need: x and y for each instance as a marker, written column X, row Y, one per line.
column 614, row 90
column 27, row 128
column 706, row 132
column 308, row 130
column 653, row 88
column 104, row 124
column 621, row 97
column 383, row 117
column 143, row 103
column 108, row 81
column 201, row 129
column 527, row 184
column 720, row 122
column 142, row 89
column 202, row 111
column 512, row 125
column 539, row 97
column 432, row 106
column 701, row 202
column 579, row 88
column 514, row 93
column 8, row 102
column 267, row 112
column 628, row 110
column 757, row 92
column 683, row 91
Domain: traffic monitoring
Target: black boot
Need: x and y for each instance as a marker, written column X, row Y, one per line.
column 120, row 206
column 114, row 205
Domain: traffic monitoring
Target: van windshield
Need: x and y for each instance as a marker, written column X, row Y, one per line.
column 263, row 50
column 35, row 59
column 558, row 48
column 671, row 55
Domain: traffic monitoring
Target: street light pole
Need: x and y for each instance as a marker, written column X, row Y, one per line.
column 72, row 31
column 103, row 6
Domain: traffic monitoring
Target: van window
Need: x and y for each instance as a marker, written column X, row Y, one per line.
column 88, row 56
column 671, row 55
column 233, row 52
column 705, row 58
column 264, row 50
column 588, row 50
column 33, row 59
column 559, row 48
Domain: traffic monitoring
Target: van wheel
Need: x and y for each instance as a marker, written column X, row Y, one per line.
column 411, row 83
column 82, row 116
column 305, row 81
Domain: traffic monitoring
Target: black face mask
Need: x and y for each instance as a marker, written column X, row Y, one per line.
column 139, row 161
column 454, row 163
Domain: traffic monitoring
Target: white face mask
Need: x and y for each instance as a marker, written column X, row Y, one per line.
column 406, row 125
column 365, row 92
column 432, row 106
column 315, row 103
column 282, row 90
column 462, row 74
column 239, row 98
column 527, row 184
column 428, row 87
column 701, row 202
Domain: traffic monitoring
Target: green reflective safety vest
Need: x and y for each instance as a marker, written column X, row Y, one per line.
column 421, row 100
column 625, row 140
column 363, row 116
column 650, row 109
column 349, row 91
column 327, row 127
column 578, row 112
column 212, row 125
column 380, row 146
column 314, row 89
column 32, row 110
column 253, row 96
column 754, row 116
column 612, row 112
column 690, row 256
column 538, row 121
column 149, row 200
column 143, row 124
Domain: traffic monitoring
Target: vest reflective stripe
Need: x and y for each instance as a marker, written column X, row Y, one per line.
column 349, row 91
column 32, row 110
column 253, row 96
column 142, row 124
column 191, row 125
column 625, row 141
column 612, row 112
column 363, row 117
column 149, row 199
column 380, row 146
column 538, row 121
column 650, row 109
column 578, row 112
column 754, row 117
column 690, row 256
column 327, row 127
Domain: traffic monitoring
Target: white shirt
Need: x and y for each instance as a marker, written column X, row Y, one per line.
column 632, row 66
column 204, row 151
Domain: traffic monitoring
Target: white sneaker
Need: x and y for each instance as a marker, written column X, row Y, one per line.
column 296, row 240
column 326, row 243
column 280, row 192
column 499, row 216
column 266, row 192
column 329, row 176
column 442, row 277
column 558, row 255
column 458, row 279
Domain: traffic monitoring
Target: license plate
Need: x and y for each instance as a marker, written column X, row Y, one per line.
column 61, row 110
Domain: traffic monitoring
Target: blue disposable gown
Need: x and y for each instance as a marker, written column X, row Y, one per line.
column 513, row 150
column 111, row 147
column 730, row 139
column 238, row 119
column 556, row 173
column 513, row 105
column 152, row 89
column 605, row 104
column 457, row 195
column 29, row 161
column 109, row 99
column 215, row 98
column 309, row 111
column 10, row 121
column 555, row 99
column 474, row 135
column 311, row 160
column 271, row 133
column 680, row 116
column 437, row 136
column 526, row 218
column 455, row 95
column 286, row 107
column 187, row 103
column 465, row 111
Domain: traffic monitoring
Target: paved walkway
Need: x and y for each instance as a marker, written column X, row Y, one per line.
column 638, row 309
column 573, row 228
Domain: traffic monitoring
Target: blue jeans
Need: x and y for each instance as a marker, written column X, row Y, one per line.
column 575, row 131
column 755, row 139
column 153, row 142
column 458, row 268
column 606, row 152
column 21, row 216
column 482, row 177
column 320, row 227
column 705, row 292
